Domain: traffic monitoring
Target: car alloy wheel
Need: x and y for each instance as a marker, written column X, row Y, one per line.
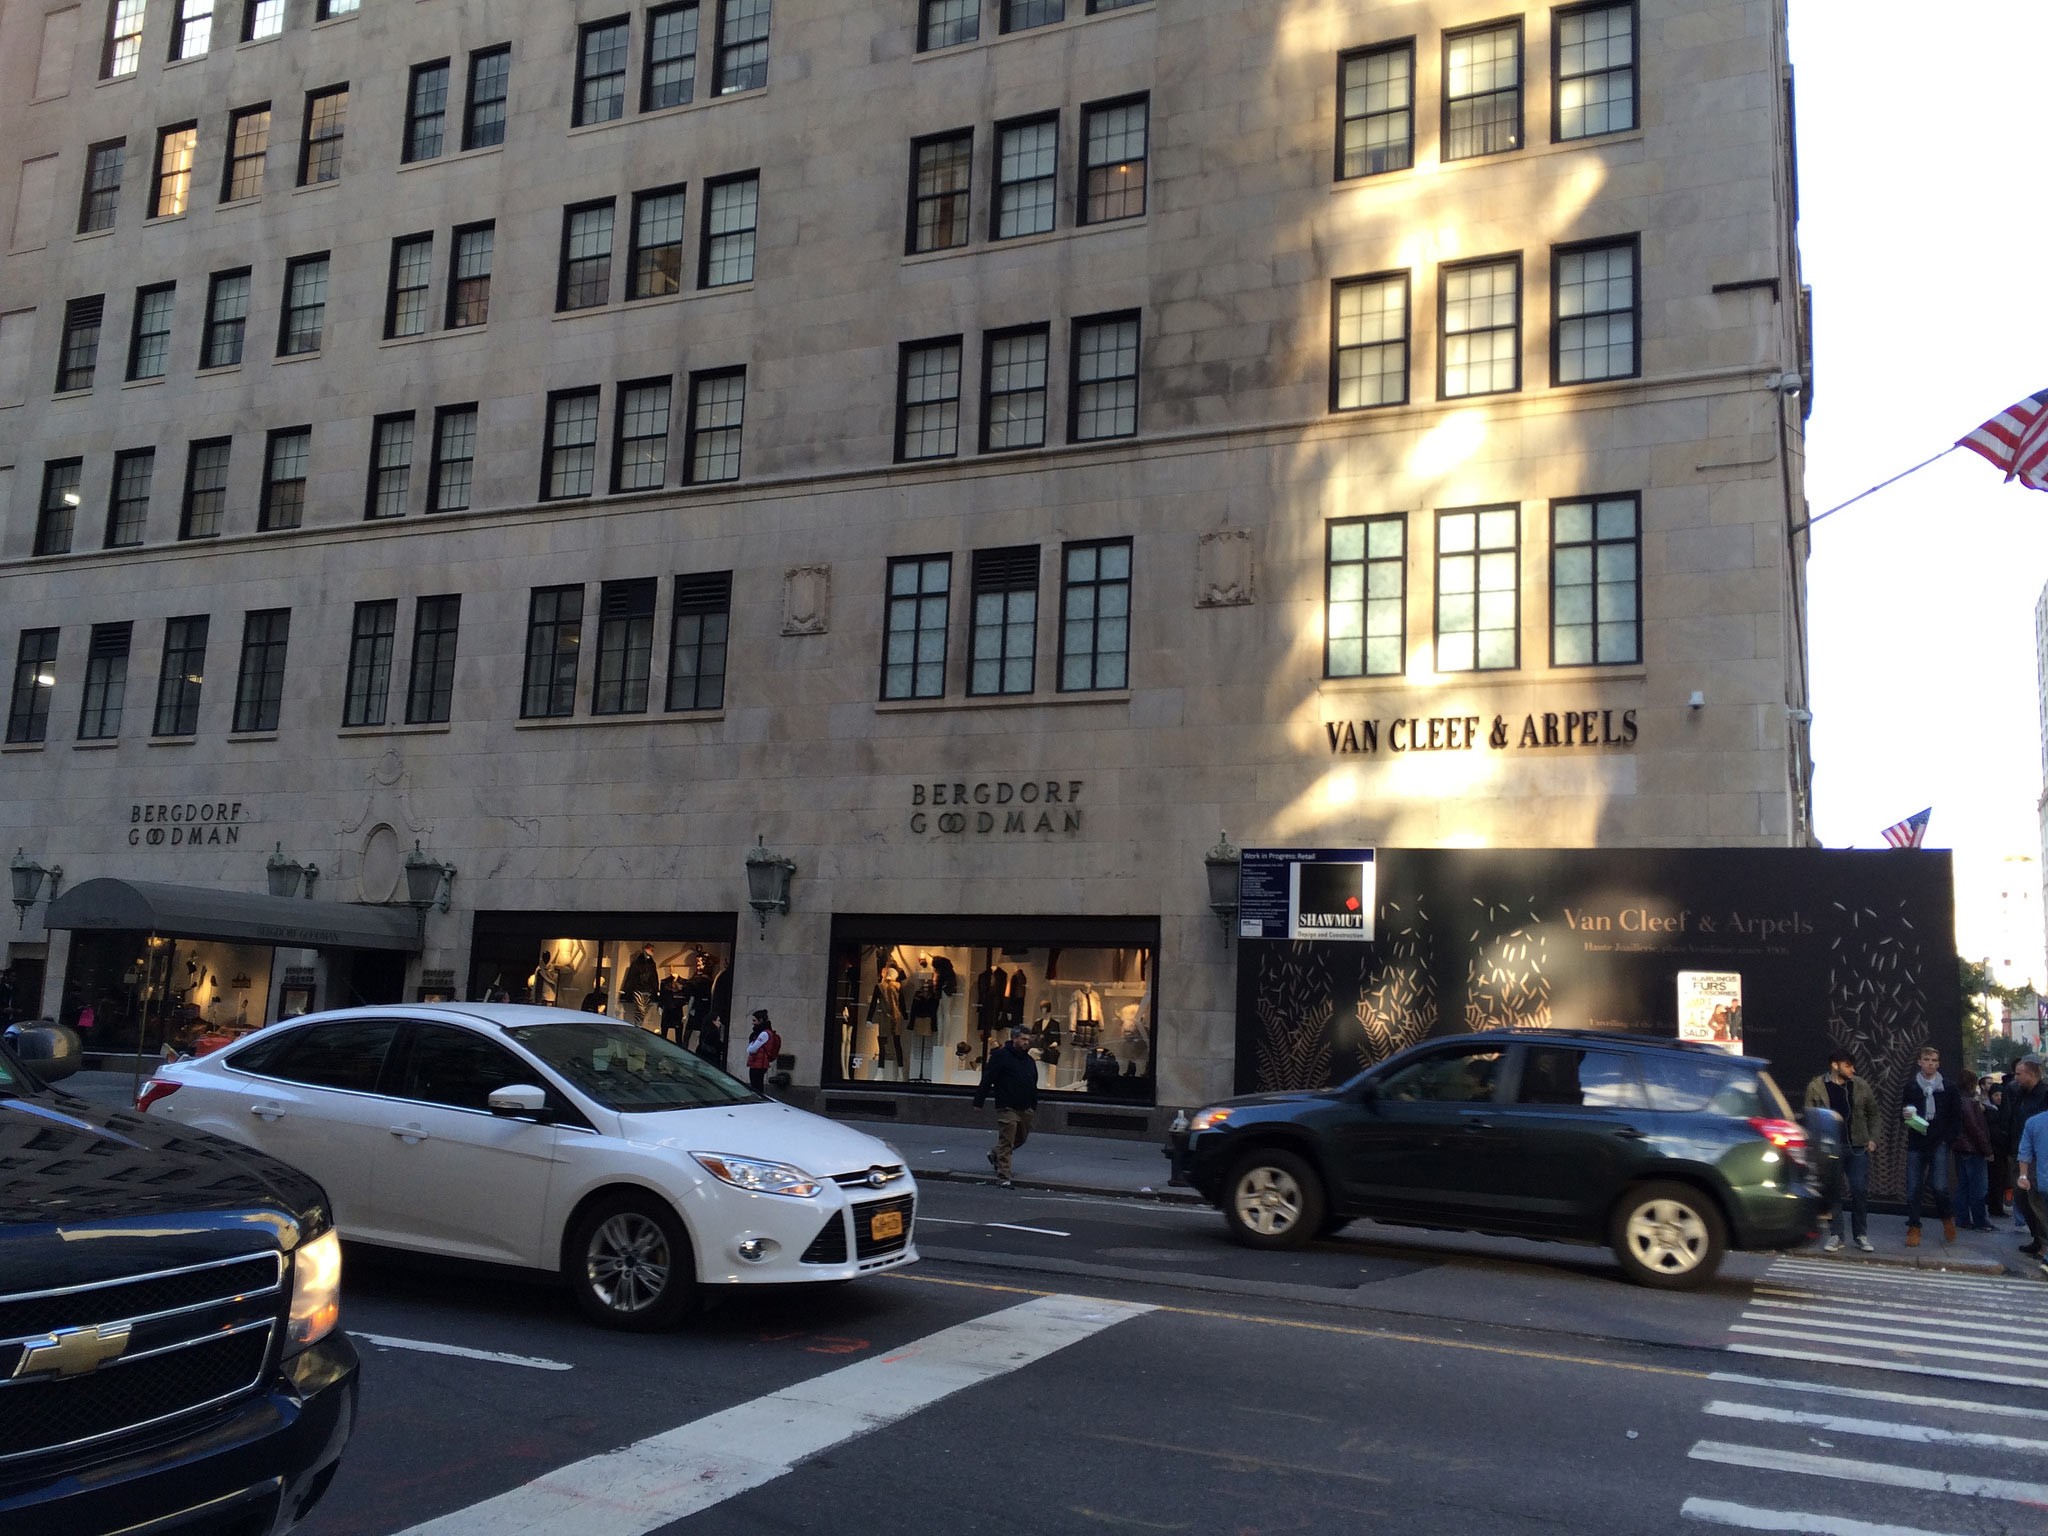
column 630, row 1264
column 1275, row 1201
column 1269, row 1201
column 1668, row 1236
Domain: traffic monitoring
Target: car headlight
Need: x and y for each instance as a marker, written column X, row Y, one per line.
column 316, row 1292
column 757, row 1177
column 1209, row 1119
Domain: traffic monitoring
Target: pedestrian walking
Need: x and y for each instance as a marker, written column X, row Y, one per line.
column 1840, row 1089
column 1933, row 1115
column 1012, row 1077
column 2026, row 1100
column 1995, row 1090
column 762, row 1049
column 2032, row 1157
column 1973, row 1157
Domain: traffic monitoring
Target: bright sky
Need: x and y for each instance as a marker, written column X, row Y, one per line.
column 1923, row 234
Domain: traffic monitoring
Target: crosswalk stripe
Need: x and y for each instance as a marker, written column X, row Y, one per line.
column 1765, row 1459
column 1944, row 1350
column 1769, row 1293
column 1875, row 1395
column 1923, row 1280
column 1902, row 1367
column 1742, row 1517
column 1944, row 1316
column 1876, row 1429
column 2009, row 1349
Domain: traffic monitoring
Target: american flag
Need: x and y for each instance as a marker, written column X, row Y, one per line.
column 2016, row 440
column 1911, row 832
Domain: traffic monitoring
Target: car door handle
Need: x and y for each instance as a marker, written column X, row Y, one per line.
column 1478, row 1125
column 267, row 1111
column 411, row 1135
column 1629, row 1133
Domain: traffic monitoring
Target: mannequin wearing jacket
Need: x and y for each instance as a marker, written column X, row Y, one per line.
column 885, row 1012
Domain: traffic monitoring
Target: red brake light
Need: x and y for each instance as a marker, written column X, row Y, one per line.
column 1788, row 1136
column 156, row 1088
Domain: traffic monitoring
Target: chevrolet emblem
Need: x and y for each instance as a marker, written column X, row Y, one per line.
column 72, row 1351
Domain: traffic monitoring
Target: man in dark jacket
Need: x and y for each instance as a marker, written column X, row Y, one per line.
column 1012, row 1076
column 2025, row 1097
column 1933, row 1117
column 1840, row 1089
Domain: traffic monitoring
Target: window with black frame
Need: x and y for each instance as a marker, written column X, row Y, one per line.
column 554, row 637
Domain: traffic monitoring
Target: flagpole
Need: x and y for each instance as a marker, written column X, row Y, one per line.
column 1798, row 528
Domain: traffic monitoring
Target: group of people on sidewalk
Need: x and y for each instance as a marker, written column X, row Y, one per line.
column 1992, row 1144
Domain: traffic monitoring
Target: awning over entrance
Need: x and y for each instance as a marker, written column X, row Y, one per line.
column 191, row 912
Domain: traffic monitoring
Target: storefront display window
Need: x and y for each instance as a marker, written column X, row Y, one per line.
column 144, row 991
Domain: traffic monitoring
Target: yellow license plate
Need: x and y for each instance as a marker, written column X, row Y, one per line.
column 885, row 1224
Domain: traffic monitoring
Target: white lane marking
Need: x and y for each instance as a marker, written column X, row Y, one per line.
column 1873, row 1395
column 944, row 1221
column 1742, row 1517
column 1764, row 1459
column 1945, row 1351
column 2012, row 1349
column 1902, row 1367
column 1011, row 1226
column 1876, row 1429
column 667, row 1477
column 428, row 1347
column 1773, row 1295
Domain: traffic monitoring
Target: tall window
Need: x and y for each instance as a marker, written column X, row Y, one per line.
column 718, row 403
column 79, row 359
column 1095, row 615
column 285, row 460
column 1104, row 397
column 914, row 627
column 248, row 144
column 102, row 193
column 570, row 457
column 657, row 254
column 227, row 316
column 1002, row 651
column 601, row 71
column 1483, row 91
column 1376, row 111
column 106, row 682
column 328, row 10
column 928, row 400
column 326, row 118
column 554, row 642
column 259, row 682
column 1369, row 350
column 1113, row 160
column 585, row 280
column 261, row 19
column 1596, row 70
column 426, row 111
column 122, row 54
column 625, row 647
column 697, row 644
column 454, row 459
column 206, row 489
column 1595, row 303
column 1364, row 621
column 1481, row 352
column 1595, row 582
column 149, row 342
column 191, row 29
column 181, row 676
column 390, row 465
column 1027, row 168
column 369, row 663
column 469, row 276
column 406, row 305
column 640, row 441
column 742, row 46
column 940, row 171
column 35, row 679
column 58, row 511
column 1478, row 590
column 1013, row 388
column 305, row 305
column 490, row 82
column 128, row 507
column 1018, row 15
column 670, row 76
column 732, row 207
column 171, row 193
column 430, row 687
column 945, row 23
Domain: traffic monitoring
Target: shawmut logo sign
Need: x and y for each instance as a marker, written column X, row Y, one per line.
column 1329, row 901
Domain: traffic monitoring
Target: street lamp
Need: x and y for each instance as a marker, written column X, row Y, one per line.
column 768, row 876
column 285, row 874
column 1222, row 862
column 428, row 882
column 28, row 881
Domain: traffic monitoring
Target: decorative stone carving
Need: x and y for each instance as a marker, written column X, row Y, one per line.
column 806, row 599
column 1223, row 569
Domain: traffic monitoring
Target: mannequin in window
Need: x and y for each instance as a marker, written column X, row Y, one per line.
column 643, row 980
column 885, row 1012
column 721, row 1010
column 673, row 998
column 547, row 978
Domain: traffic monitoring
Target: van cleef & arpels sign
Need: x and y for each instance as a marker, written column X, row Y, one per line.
column 1595, row 728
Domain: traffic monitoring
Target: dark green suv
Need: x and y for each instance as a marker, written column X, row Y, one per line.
column 1667, row 1153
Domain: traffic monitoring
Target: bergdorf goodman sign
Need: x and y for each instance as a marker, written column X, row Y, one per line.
column 187, row 824
column 996, row 808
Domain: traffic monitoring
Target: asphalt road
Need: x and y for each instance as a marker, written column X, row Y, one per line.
column 1079, row 1364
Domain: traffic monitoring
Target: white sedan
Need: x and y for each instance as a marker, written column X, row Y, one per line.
column 556, row 1141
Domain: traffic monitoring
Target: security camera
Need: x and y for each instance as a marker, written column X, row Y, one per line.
column 1697, row 701
column 1786, row 384
column 1801, row 716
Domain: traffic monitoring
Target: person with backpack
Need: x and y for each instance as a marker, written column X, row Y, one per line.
column 762, row 1049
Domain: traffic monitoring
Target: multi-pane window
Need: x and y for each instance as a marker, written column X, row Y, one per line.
column 670, row 75
column 58, row 510
column 454, row 459
column 657, row 254
column 305, row 305
column 1369, row 348
column 369, row 663
column 327, row 10
column 101, row 195
column 1104, row 397
column 1483, row 91
column 149, row 341
column 286, row 458
column 742, row 46
column 128, row 506
column 625, row 647
column 1593, row 326
column 718, row 404
column 79, row 358
column 261, row 19
column 1478, row 590
column 122, row 54
column 1113, row 160
column 1002, row 649
column 227, row 316
column 390, row 466
column 1027, row 168
column 928, row 400
column 1364, row 629
column 206, row 490
column 1095, row 615
column 640, row 443
column 1596, row 70
column 570, row 458
column 35, row 679
column 430, row 685
column 914, row 627
column 106, row 682
column 1595, row 582
column 944, row 23
column 586, row 276
column 248, row 144
column 601, row 71
column 490, row 82
column 1376, row 111
column 469, row 276
column 326, row 119
column 697, row 643
column 554, row 642
column 426, row 111
column 407, row 304
column 259, row 682
column 171, row 192
column 941, row 169
column 191, row 29
column 1013, row 388
column 1018, row 15
column 732, row 208
column 1482, row 328
column 181, row 676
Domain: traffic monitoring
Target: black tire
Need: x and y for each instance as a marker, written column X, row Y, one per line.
column 630, row 1264
column 1273, row 1199
column 1667, row 1236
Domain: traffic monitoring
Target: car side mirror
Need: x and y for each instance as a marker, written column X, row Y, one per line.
column 520, row 1101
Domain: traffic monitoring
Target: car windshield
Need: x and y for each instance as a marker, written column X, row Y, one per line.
column 630, row 1070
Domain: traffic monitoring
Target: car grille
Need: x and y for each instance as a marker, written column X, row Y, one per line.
column 864, row 1178
column 829, row 1246
column 151, row 1294
column 866, row 1247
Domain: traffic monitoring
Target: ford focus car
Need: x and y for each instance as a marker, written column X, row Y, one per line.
column 555, row 1141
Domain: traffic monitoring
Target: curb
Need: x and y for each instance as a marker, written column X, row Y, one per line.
column 1930, row 1265
column 1165, row 1196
